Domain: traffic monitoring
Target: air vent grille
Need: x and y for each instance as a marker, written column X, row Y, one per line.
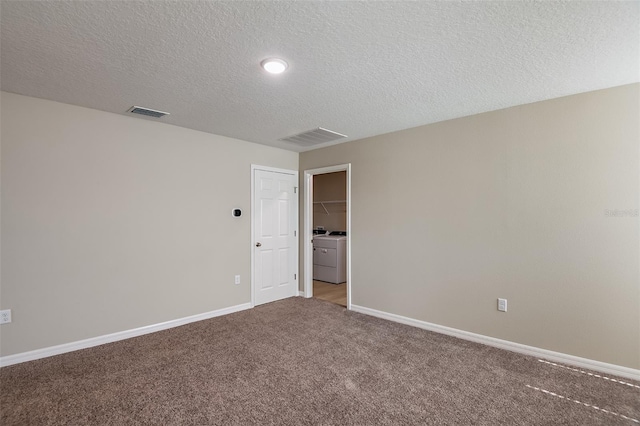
column 314, row 137
column 147, row 111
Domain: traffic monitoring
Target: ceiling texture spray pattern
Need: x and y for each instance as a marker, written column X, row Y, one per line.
column 357, row 68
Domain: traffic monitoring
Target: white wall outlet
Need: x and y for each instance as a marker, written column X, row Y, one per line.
column 5, row 316
column 237, row 281
column 502, row 305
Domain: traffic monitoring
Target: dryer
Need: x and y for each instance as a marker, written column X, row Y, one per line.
column 330, row 257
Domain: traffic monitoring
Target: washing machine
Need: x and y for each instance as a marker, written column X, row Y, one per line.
column 330, row 257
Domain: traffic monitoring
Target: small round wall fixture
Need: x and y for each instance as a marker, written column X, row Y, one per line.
column 274, row 65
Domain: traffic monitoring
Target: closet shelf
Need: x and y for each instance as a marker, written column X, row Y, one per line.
column 322, row 203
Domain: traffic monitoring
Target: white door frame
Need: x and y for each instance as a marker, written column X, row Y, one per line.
column 307, row 246
column 296, row 248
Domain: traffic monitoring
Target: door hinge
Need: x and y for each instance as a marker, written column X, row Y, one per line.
column 295, row 233
column 295, row 276
column 295, row 189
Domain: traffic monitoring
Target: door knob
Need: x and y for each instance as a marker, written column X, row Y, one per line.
column 258, row 244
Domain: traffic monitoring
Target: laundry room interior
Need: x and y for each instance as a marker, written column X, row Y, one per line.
column 329, row 239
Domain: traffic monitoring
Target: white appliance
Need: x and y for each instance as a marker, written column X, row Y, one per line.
column 330, row 257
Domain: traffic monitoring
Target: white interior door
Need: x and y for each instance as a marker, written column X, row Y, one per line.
column 275, row 241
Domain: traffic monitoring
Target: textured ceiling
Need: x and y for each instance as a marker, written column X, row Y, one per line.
column 357, row 68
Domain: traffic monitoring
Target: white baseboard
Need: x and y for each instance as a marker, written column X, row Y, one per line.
column 114, row 337
column 301, row 294
column 617, row 370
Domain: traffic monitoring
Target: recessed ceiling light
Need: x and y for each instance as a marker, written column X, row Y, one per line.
column 274, row 65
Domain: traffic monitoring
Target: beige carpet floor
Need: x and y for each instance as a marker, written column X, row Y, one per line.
column 306, row 362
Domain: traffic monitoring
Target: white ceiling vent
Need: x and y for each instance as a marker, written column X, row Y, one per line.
column 314, row 137
column 147, row 111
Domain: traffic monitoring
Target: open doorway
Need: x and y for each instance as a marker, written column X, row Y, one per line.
column 327, row 234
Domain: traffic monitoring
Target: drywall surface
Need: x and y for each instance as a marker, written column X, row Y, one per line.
column 360, row 67
column 537, row 204
column 110, row 222
column 329, row 196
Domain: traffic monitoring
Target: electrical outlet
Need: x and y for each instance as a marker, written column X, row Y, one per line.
column 5, row 316
column 237, row 281
column 502, row 305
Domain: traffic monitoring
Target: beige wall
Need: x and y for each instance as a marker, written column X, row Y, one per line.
column 111, row 222
column 448, row 217
column 330, row 187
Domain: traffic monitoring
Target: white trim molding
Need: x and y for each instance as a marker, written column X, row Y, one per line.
column 114, row 337
column 603, row 367
column 307, row 232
